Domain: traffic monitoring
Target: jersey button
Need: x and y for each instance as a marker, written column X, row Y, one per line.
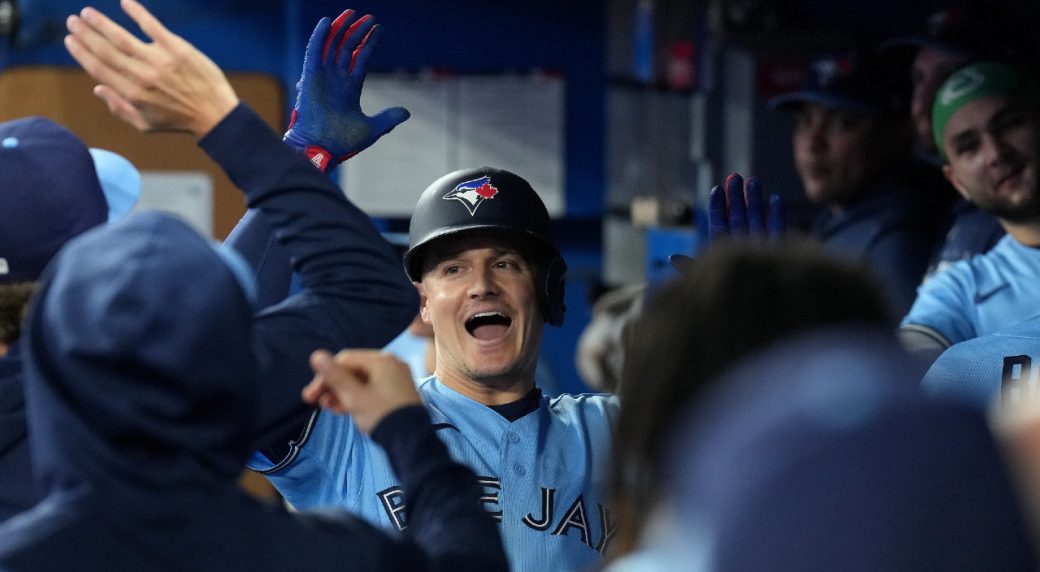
column 520, row 470
column 514, row 438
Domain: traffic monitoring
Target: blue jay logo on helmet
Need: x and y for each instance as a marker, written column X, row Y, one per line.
column 472, row 193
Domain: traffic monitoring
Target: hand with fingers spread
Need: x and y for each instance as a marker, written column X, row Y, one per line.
column 736, row 214
column 164, row 85
column 368, row 385
column 327, row 122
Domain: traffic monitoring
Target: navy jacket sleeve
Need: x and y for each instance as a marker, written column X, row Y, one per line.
column 354, row 290
column 445, row 518
column 253, row 238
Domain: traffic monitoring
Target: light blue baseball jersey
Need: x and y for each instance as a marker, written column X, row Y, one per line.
column 981, row 295
column 996, row 366
column 544, row 475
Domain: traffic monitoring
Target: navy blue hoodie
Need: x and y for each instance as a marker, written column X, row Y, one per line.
column 145, row 371
column 357, row 294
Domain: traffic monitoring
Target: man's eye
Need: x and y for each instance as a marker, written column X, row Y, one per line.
column 451, row 269
column 965, row 148
column 507, row 264
column 1010, row 122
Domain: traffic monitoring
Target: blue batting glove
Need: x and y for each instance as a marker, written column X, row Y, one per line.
column 735, row 213
column 327, row 123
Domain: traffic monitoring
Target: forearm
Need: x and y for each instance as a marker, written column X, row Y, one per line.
column 922, row 342
column 254, row 239
column 445, row 517
column 322, row 231
column 354, row 291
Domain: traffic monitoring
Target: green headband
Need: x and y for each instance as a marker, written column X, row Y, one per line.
column 974, row 82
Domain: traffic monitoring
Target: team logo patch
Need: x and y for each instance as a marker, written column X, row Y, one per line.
column 473, row 193
column 829, row 69
column 964, row 83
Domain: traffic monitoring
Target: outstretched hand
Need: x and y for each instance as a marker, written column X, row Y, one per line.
column 368, row 385
column 327, row 122
column 736, row 214
column 165, row 85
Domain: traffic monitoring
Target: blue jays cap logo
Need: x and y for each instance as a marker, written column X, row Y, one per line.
column 472, row 193
column 829, row 69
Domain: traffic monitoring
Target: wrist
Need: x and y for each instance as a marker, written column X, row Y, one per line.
column 319, row 156
column 208, row 118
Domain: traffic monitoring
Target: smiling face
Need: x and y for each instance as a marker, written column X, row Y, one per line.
column 992, row 148
column 478, row 293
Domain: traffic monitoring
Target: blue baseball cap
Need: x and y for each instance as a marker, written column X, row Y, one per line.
column 120, row 182
column 853, row 81
column 52, row 188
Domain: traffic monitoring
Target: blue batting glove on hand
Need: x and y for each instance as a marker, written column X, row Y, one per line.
column 327, row 122
column 731, row 213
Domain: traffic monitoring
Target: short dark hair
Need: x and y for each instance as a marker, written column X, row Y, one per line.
column 14, row 303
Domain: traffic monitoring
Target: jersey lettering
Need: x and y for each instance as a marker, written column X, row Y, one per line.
column 393, row 503
column 545, row 521
column 1015, row 378
column 608, row 526
column 490, row 497
column 575, row 518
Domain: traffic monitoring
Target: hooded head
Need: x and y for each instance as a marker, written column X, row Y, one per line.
column 820, row 453
column 139, row 368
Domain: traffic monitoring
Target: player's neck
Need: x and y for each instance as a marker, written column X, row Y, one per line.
column 497, row 392
column 1027, row 233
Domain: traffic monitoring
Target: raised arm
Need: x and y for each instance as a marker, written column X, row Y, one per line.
column 354, row 290
column 328, row 126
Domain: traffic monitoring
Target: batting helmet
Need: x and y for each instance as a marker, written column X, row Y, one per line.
column 489, row 199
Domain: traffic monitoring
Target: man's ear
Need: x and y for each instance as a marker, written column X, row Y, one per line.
column 423, row 310
column 952, row 178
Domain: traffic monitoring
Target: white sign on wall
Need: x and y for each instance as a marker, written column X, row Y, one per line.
column 512, row 122
column 187, row 194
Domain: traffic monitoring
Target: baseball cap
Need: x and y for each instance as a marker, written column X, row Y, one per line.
column 120, row 182
column 853, row 81
column 973, row 82
column 53, row 189
column 961, row 30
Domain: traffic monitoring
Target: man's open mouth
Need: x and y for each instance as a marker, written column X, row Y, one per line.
column 488, row 325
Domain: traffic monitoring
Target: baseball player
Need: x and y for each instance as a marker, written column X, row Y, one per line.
column 852, row 150
column 986, row 122
column 43, row 209
column 489, row 275
column 482, row 254
column 953, row 36
column 834, row 461
column 142, row 415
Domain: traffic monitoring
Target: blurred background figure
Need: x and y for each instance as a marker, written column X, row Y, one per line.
column 738, row 298
column 952, row 37
column 986, row 118
column 54, row 188
column 820, row 453
column 603, row 342
column 852, row 151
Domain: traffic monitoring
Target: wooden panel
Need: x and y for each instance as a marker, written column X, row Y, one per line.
column 64, row 95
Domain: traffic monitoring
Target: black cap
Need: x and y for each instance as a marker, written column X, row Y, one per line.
column 854, row 81
column 966, row 30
